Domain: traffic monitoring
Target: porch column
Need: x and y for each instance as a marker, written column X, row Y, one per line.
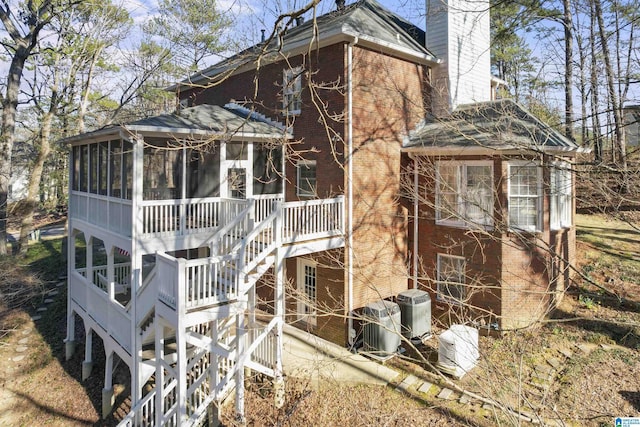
column 240, row 349
column 279, row 306
column 87, row 365
column 70, row 340
column 89, row 259
column 111, row 274
column 107, row 391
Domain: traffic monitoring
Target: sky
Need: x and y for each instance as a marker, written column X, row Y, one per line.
column 250, row 16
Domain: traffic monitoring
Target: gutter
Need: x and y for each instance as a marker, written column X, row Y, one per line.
column 414, row 271
column 351, row 333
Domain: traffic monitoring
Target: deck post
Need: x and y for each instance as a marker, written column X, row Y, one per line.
column 70, row 339
column 278, row 383
column 107, row 391
column 110, row 274
column 87, row 365
column 240, row 349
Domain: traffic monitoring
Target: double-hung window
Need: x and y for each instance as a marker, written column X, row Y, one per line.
column 292, row 91
column 451, row 279
column 306, row 178
column 560, row 189
column 464, row 193
column 525, row 196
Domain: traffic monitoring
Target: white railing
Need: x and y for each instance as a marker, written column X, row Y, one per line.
column 112, row 213
column 263, row 347
column 196, row 283
column 143, row 414
column 258, row 244
column 186, row 216
column 264, row 205
column 109, row 314
column 231, row 234
column 312, row 219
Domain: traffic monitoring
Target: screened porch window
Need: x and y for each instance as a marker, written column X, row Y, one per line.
column 162, row 173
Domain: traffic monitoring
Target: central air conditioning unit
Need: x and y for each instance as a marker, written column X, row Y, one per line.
column 458, row 350
column 382, row 324
column 415, row 310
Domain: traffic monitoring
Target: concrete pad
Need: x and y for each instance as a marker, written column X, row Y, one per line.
column 465, row 399
column 26, row 331
column 307, row 356
column 53, row 293
column 41, row 309
column 424, row 388
column 566, row 352
column 21, row 348
column 36, row 318
column 556, row 363
column 406, row 384
column 60, row 284
column 19, row 358
column 48, row 301
column 23, row 340
column 445, row 393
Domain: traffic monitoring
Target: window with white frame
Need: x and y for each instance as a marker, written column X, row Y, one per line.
column 307, row 290
column 525, row 196
column 560, row 188
column 306, row 178
column 464, row 193
column 292, row 91
column 451, row 279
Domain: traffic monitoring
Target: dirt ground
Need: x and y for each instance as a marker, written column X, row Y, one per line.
column 579, row 368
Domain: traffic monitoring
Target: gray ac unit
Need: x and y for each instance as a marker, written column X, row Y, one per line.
column 415, row 309
column 381, row 327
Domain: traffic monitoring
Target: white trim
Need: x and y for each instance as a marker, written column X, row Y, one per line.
column 306, row 312
column 307, row 164
column 461, row 219
column 439, row 295
column 292, row 91
column 539, row 226
column 560, row 200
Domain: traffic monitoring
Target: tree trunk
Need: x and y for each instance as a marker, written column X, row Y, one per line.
column 619, row 141
column 34, row 180
column 568, row 69
column 9, row 108
column 595, row 95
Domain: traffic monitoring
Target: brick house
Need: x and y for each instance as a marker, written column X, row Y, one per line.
column 342, row 162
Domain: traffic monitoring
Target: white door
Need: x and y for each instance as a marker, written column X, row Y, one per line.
column 236, row 171
column 307, row 291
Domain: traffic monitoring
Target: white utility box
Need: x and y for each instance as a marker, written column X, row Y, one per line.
column 458, row 350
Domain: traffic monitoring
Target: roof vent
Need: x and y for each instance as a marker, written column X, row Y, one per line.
column 340, row 4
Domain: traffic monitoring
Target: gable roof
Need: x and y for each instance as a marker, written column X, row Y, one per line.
column 232, row 121
column 366, row 21
column 487, row 127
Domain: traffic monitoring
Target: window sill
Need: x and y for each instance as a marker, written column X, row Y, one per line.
column 464, row 225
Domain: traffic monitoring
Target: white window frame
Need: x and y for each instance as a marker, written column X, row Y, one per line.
column 292, row 91
column 306, row 304
column 461, row 217
column 561, row 195
column 304, row 192
column 538, row 197
column 442, row 282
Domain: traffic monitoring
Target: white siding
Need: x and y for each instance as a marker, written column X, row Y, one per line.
column 458, row 34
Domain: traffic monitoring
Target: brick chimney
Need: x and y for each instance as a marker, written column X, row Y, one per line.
column 340, row 4
column 458, row 34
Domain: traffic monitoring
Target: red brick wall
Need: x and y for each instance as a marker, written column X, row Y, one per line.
column 322, row 86
column 388, row 102
column 514, row 270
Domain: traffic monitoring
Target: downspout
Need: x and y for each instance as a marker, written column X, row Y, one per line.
column 415, row 222
column 351, row 332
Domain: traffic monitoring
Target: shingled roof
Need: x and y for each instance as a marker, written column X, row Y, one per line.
column 501, row 125
column 367, row 20
column 231, row 121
